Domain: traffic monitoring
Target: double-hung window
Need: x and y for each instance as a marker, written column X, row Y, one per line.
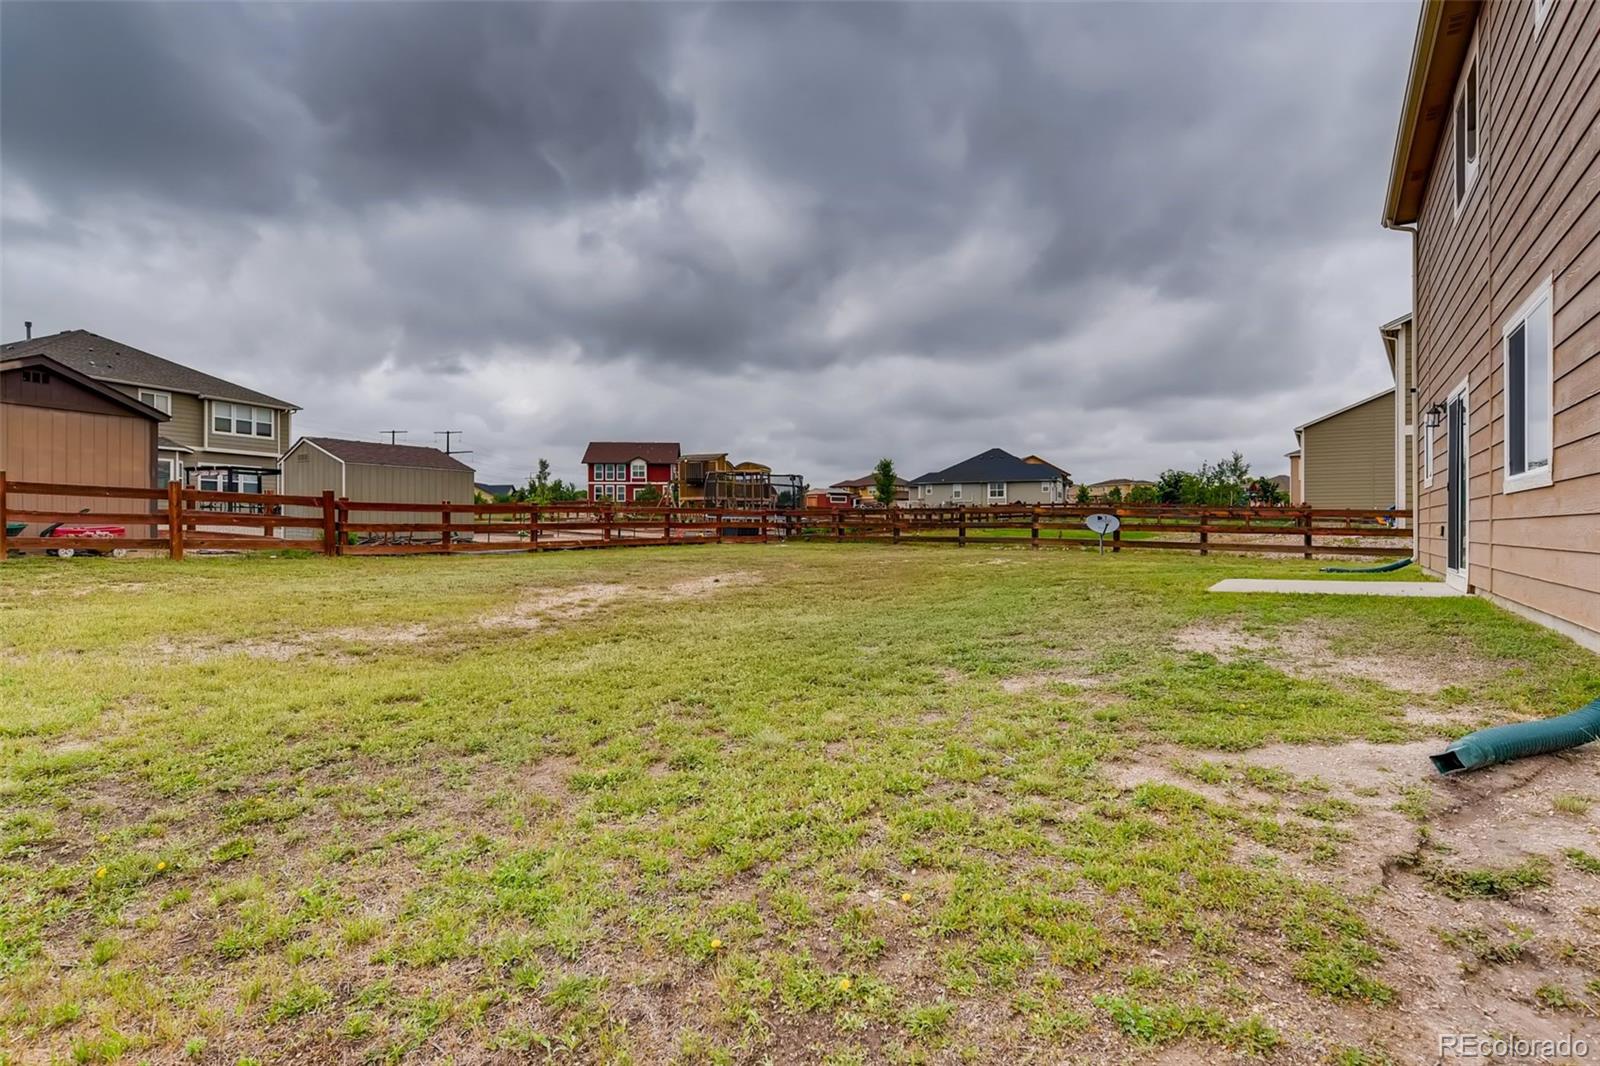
column 241, row 420
column 640, row 471
column 955, row 493
column 1529, row 393
column 1467, row 132
column 161, row 401
column 997, row 491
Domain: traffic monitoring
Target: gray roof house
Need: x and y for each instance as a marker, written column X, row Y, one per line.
column 992, row 477
column 218, row 435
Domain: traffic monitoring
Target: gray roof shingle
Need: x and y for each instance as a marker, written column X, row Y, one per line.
column 372, row 453
column 107, row 360
column 995, row 464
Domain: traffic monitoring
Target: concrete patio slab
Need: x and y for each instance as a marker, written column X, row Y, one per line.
column 1336, row 588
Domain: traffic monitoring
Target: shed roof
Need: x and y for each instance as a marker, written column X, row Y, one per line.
column 622, row 451
column 104, row 359
column 371, row 453
column 8, row 361
column 1347, row 407
column 868, row 482
column 996, row 464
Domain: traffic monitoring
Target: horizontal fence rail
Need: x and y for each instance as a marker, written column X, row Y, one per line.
column 178, row 519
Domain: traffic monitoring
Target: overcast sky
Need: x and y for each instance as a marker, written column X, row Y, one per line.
column 1123, row 236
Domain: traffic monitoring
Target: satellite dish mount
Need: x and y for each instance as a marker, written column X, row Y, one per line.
column 1102, row 524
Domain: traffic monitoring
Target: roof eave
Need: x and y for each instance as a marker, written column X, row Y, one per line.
column 1443, row 33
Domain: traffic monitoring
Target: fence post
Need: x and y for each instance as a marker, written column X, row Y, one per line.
column 2, row 515
column 606, row 516
column 1204, row 536
column 838, row 524
column 1305, row 522
column 961, row 525
column 330, row 526
column 533, row 527
column 175, row 520
column 446, row 535
column 1033, row 532
column 342, row 508
column 266, row 514
column 1116, row 534
column 894, row 523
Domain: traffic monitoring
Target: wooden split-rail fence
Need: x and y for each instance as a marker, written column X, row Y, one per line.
column 176, row 520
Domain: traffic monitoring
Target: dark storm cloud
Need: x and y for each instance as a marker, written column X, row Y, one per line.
column 1002, row 223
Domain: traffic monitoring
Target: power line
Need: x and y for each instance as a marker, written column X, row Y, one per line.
column 447, row 434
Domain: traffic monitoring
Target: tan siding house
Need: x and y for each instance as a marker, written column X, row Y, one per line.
column 1497, row 166
column 1347, row 457
column 377, row 473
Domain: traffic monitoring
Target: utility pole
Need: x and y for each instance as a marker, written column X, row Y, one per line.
column 447, row 434
column 393, row 433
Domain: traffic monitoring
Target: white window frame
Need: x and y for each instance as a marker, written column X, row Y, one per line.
column 174, row 473
column 233, row 420
column 991, row 496
column 209, row 482
column 1540, row 304
column 1471, row 77
column 639, row 470
column 161, row 401
column 955, row 493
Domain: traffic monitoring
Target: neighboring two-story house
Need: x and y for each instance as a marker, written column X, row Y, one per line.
column 1496, row 173
column 992, row 477
column 217, row 436
column 619, row 470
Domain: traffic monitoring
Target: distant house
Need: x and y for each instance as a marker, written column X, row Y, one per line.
column 1347, row 456
column 488, row 493
column 992, row 477
column 217, row 436
column 866, row 489
column 1297, row 484
column 1494, row 174
column 371, row 472
column 1124, row 485
column 57, row 425
column 840, row 499
column 619, row 470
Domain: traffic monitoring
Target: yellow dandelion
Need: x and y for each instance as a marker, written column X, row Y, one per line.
column 100, row 874
column 844, row 984
column 715, row 943
column 162, row 865
column 905, row 897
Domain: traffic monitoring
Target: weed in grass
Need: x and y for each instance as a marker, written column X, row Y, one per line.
column 1572, row 803
column 1488, row 882
column 1583, row 860
column 1482, row 947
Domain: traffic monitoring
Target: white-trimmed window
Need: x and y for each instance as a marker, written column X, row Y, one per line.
column 1529, row 394
column 955, row 492
column 166, row 472
column 241, row 420
column 640, row 471
column 997, row 491
column 1468, row 131
column 211, row 482
column 161, row 401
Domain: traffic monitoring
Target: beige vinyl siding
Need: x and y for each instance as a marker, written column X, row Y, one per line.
column 977, row 493
column 1347, row 459
column 318, row 471
column 188, row 425
column 76, row 448
column 1533, row 215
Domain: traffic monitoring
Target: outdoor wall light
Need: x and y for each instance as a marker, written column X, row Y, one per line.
column 1433, row 417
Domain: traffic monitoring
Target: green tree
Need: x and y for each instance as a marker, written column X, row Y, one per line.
column 1170, row 486
column 1142, row 495
column 885, row 481
column 1083, row 494
column 649, row 495
column 1115, row 495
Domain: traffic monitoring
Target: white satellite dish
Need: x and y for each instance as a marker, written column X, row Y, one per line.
column 1102, row 524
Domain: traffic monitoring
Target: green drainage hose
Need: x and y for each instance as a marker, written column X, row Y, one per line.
column 1503, row 743
column 1386, row 568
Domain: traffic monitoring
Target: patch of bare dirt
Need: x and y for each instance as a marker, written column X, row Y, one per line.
column 1023, row 683
column 1307, row 653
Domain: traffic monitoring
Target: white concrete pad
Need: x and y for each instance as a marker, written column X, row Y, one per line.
column 1336, row 588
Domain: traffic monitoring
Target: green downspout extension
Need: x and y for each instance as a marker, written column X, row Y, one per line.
column 1386, row 568
column 1503, row 743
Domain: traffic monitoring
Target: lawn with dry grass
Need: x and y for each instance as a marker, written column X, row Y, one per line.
column 790, row 803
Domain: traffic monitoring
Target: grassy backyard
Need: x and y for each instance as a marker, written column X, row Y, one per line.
column 800, row 803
